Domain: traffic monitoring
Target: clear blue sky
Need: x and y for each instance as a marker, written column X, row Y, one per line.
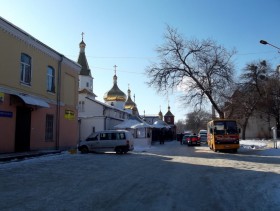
column 126, row 32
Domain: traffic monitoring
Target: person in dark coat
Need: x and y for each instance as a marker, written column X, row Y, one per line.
column 161, row 141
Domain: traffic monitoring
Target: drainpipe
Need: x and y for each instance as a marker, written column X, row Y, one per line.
column 58, row 96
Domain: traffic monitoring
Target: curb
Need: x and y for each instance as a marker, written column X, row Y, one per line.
column 23, row 155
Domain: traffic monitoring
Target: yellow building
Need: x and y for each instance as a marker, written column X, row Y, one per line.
column 38, row 94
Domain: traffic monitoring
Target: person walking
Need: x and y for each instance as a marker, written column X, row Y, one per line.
column 161, row 141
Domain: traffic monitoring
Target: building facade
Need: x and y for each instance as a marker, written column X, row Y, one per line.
column 38, row 94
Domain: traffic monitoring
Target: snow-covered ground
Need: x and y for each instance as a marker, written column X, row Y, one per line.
column 265, row 147
column 160, row 177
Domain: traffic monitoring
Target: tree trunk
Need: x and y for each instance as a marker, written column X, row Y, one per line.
column 244, row 126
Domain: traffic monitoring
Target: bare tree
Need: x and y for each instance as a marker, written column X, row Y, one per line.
column 250, row 94
column 180, row 126
column 197, row 120
column 202, row 69
column 270, row 103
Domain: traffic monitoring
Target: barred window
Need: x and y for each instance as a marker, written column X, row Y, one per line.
column 49, row 127
column 25, row 69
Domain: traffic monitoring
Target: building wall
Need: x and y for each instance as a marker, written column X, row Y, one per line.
column 100, row 116
column 258, row 127
column 7, row 125
column 85, row 82
column 65, row 126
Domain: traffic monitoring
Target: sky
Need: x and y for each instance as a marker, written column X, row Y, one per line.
column 127, row 32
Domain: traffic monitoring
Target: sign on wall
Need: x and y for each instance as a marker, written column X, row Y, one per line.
column 70, row 115
column 8, row 114
column 1, row 97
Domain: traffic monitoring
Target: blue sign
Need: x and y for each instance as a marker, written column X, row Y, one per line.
column 6, row 114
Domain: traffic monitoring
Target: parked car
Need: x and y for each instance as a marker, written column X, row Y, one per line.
column 202, row 135
column 119, row 141
column 184, row 139
column 192, row 140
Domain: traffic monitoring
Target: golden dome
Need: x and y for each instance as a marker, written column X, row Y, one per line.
column 115, row 94
column 135, row 111
column 129, row 104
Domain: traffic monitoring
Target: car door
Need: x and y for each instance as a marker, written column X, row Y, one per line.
column 94, row 142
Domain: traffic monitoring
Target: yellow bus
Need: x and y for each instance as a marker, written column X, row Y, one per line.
column 223, row 134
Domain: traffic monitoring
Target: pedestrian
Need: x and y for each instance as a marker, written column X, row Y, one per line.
column 161, row 141
column 181, row 138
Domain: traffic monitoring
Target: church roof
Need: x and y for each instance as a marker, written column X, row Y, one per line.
column 115, row 94
column 129, row 104
column 168, row 113
column 86, row 91
column 82, row 60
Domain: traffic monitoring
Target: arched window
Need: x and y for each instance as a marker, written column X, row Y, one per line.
column 25, row 69
column 50, row 79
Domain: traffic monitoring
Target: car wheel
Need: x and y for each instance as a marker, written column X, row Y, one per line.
column 84, row 150
column 119, row 150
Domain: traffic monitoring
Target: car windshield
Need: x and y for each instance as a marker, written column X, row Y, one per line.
column 93, row 136
column 225, row 127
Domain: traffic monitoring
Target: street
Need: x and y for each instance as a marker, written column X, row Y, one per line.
column 165, row 177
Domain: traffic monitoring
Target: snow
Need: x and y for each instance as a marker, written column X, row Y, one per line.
column 256, row 161
column 265, row 147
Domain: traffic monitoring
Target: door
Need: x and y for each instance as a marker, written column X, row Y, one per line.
column 22, row 136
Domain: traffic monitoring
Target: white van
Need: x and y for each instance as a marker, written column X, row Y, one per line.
column 119, row 141
column 202, row 135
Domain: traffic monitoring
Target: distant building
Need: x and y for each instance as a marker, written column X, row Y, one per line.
column 38, row 94
column 169, row 118
column 160, row 122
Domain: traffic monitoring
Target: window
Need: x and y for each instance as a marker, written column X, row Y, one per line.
column 49, row 127
column 25, row 69
column 81, row 106
column 50, row 79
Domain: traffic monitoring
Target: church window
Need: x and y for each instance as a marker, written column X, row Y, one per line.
column 50, row 79
column 25, row 69
column 87, row 84
column 81, row 106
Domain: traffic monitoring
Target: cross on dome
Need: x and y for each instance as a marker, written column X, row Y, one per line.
column 115, row 66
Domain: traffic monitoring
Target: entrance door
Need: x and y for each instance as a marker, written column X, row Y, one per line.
column 22, row 136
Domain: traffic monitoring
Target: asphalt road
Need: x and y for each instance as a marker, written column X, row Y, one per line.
column 165, row 177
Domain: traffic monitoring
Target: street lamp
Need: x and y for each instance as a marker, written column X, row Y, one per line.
column 267, row 43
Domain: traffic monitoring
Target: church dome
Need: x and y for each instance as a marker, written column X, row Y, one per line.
column 160, row 115
column 129, row 104
column 115, row 94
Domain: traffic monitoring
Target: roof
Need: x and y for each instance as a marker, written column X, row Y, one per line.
column 115, row 94
column 82, row 60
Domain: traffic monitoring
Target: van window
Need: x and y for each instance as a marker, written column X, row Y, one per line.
column 93, row 137
column 113, row 136
column 121, row 136
column 104, row 136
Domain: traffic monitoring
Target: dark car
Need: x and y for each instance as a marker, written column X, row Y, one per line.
column 184, row 139
column 192, row 140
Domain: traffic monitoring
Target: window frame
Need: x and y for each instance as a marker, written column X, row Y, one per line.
column 50, row 79
column 25, row 69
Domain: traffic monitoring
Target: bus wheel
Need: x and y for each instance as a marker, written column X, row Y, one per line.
column 234, row 150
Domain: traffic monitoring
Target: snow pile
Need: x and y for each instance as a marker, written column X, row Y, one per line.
column 254, row 144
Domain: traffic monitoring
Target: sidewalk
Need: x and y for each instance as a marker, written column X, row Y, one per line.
column 22, row 155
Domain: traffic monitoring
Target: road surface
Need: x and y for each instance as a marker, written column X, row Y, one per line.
column 164, row 177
